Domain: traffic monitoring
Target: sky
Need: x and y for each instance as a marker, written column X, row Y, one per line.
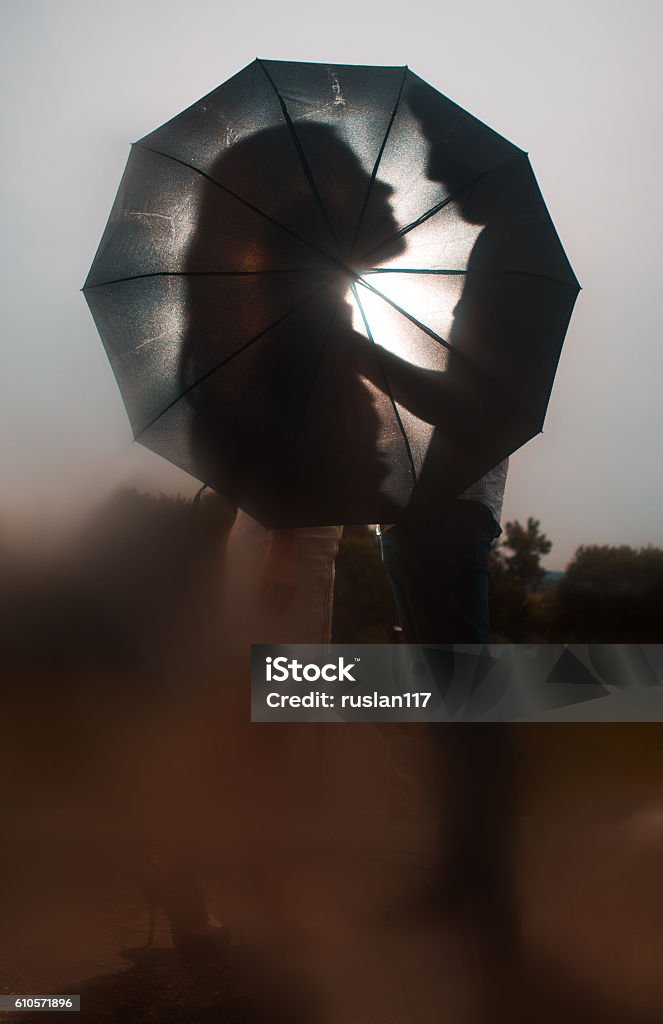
column 576, row 84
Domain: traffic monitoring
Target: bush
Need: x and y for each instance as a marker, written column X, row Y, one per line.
column 610, row 595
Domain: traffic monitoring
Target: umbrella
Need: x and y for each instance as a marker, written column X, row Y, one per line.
column 331, row 294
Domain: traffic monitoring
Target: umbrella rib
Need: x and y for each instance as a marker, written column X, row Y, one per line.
column 440, row 206
column 377, row 161
column 470, row 273
column 415, row 270
column 300, row 153
column 202, row 273
column 308, row 270
column 417, row 323
column 387, row 386
column 240, row 199
column 223, row 362
column 451, row 348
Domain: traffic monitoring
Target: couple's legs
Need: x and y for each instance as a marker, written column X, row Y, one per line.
column 306, row 617
column 439, row 577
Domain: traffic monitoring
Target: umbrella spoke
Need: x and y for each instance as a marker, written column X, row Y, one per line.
column 486, row 379
column 374, row 173
column 413, row 270
column 408, row 316
column 205, row 273
column 427, row 271
column 440, row 206
column 240, row 199
column 302, row 157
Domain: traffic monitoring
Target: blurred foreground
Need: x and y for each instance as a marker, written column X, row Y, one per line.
column 365, row 875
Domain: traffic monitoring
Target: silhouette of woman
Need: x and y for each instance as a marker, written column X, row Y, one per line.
column 278, row 389
column 277, row 386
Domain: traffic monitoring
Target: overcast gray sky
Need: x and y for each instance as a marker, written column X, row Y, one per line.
column 576, row 84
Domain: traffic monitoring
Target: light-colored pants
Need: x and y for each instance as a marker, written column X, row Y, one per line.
column 307, row 618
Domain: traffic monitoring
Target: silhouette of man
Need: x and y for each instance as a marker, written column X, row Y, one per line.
column 438, row 567
column 438, row 563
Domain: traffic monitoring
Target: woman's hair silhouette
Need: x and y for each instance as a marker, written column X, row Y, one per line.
column 279, row 394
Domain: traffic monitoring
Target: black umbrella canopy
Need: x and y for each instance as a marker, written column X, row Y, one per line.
column 331, row 294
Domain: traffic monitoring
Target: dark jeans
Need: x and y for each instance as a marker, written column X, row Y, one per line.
column 439, row 575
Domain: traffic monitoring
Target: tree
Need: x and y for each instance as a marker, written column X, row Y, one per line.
column 527, row 545
column 611, row 595
column 509, row 614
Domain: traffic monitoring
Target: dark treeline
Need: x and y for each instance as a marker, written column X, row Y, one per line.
column 610, row 595
column 145, row 571
column 606, row 595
